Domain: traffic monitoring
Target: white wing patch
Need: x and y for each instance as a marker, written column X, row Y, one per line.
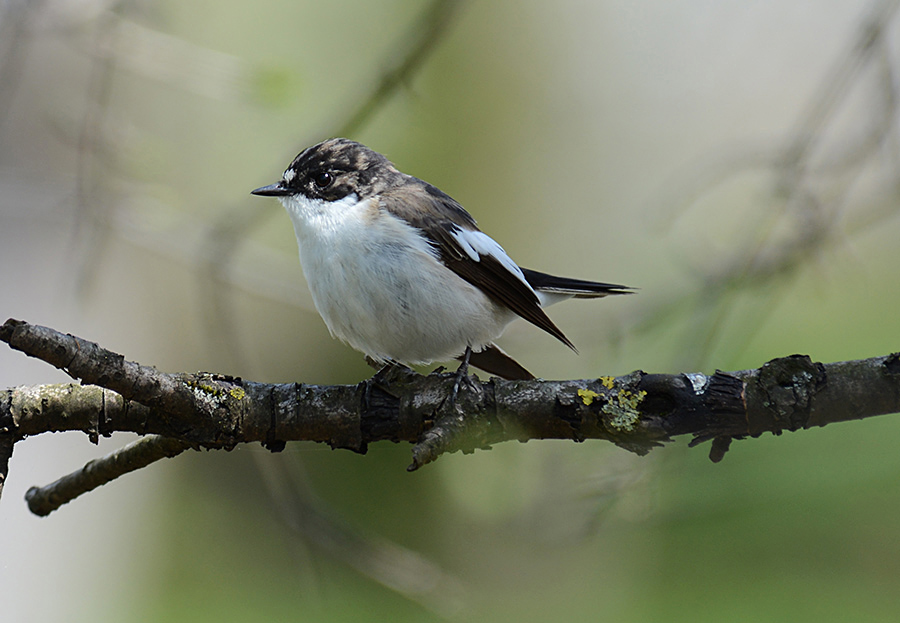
column 477, row 243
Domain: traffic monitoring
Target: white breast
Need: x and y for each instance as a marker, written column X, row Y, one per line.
column 379, row 286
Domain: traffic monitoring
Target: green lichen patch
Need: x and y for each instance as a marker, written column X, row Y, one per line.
column 622, row 407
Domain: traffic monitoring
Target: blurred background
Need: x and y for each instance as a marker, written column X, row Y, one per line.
column 736, row 161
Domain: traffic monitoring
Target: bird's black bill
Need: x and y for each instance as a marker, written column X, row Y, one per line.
column 272, row 190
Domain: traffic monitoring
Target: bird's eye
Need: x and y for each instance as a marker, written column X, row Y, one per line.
column 322, row 179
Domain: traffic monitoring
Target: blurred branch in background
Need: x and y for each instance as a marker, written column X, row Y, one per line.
column 15, row 27
column 116, row 43
column 115, row 47
column 809, row 202
column 93, row 201
column 402, row 570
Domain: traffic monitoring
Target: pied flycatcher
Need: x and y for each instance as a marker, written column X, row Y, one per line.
column 401, row 272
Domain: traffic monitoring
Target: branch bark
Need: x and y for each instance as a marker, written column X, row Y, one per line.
column 637, row 411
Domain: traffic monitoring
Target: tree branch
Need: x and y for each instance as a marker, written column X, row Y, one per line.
column 637, row 411
column 44, row 500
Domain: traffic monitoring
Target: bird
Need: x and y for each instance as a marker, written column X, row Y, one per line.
column 400, row 271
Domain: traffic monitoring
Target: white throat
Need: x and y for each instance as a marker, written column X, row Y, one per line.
column 317, row 215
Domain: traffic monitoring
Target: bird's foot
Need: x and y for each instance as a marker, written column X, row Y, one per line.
column 462, row 376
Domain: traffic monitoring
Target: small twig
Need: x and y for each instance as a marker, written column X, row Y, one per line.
column 44, row 500
column 444, row 437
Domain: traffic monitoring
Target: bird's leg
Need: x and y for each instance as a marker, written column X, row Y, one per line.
column 462, row 372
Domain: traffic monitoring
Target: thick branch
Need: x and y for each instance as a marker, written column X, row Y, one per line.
column 637, row 411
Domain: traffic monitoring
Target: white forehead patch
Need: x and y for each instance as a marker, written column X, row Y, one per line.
column 289, row 175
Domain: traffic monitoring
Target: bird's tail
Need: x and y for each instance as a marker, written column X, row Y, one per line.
column 564, row 287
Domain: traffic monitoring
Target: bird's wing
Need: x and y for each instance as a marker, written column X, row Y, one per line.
column 467, row 251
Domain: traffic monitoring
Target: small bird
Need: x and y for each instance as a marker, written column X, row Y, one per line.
column 400, row 271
